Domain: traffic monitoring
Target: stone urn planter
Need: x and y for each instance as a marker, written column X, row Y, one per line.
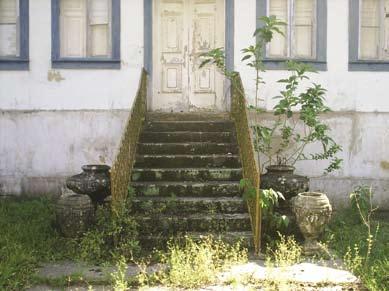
column 94, row 181
column 74, row 214
column 313, row 211
column 281, row 178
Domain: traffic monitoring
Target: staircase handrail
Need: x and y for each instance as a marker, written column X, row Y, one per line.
column 124, row 160
column 239, row 114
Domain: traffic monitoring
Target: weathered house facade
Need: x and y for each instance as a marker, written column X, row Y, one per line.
column 70, row 69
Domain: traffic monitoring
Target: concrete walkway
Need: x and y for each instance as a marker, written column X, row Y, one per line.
column 326, row 275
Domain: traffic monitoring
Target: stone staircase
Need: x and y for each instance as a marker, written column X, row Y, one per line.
column 186, row 179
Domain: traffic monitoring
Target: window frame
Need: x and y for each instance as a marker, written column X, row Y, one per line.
column 112, row 62
column 21, row 62
column 355, row 63
column 320, row 60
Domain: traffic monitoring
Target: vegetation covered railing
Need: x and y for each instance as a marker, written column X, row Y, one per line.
column 122, row 166
column 250, row 166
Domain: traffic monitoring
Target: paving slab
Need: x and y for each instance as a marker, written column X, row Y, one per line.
column 323, row 275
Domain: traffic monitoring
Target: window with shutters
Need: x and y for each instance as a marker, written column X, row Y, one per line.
column 13, row 34
column 85, row 28
column 9, row 36
column 305, row 32
column 374, row 30
column 86, row 33
column 299, row 38
column 369, row 35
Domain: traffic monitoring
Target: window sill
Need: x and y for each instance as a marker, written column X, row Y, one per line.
column 86, row 64
column 279, row 64
column 14, row 64
column 369, row 65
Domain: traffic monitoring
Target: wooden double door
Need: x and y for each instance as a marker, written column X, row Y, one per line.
column 182, row 31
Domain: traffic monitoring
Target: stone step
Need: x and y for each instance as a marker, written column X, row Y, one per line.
column 187, row 116
column 186, row 179
column 188, row 205
column 161, row 240
column 186, row 174
column 170, row 225
column 200, row 126
column 187, row 136
column 187, row 161
column 194, row 148
column 196, row 189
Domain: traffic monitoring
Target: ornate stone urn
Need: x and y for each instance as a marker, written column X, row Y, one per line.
column 282, row 179
column 313, row 211
column 74, row 214
column 94, row 181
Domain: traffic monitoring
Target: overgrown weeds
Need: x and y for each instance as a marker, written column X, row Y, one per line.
column 113, row 236
column 362, row 241
column 119, row 281
column 27, row 238
column 195, row 263
column 287, row 252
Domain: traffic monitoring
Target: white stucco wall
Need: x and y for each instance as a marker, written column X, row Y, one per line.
column 39, row 144
column 39, row 149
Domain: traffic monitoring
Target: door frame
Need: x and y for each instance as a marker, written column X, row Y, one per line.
column 148, row 41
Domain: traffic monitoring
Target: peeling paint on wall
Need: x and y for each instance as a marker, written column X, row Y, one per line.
column 53, row 75
column 385, row 165
column 356, row 138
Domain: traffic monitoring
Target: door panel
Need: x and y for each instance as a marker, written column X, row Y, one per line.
column 169, row 55
column 206, row 84
column 183, row 29
column 172, row 54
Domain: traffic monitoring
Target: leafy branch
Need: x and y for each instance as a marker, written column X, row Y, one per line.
column 269, row 200
column 295, row 109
